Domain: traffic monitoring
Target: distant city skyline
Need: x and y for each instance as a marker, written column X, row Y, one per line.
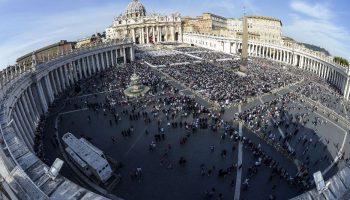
column 29, row 25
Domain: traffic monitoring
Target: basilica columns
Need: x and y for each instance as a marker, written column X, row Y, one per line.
column 153, row 35
column 124, row 53
column 133, row 35
column 173, row 33
column 147, row 35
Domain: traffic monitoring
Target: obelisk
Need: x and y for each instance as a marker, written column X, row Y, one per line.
column 244, row 54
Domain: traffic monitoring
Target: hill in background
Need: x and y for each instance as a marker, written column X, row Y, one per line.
column 315, row 48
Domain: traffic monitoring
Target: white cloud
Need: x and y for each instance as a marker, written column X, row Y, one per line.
column 232, row 7
column 318, row 28
column 40, row 30
column 226, row 5
column 317, row 10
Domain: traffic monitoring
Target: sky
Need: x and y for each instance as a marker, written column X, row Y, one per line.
column 26, row 25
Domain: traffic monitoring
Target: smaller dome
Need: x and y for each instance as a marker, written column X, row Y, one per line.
column 135, row 9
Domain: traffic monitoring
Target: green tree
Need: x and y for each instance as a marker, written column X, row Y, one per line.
column 341, row 61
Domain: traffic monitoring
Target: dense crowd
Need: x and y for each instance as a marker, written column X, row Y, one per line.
column 190, row 49
column 319, row 91
column 38, row 145
column 168, row 59
column 224, row 86
column 218, row 81
column 287, row 113
column 228, row 64
column 211, row 55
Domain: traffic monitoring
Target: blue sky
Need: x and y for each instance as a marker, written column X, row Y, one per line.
column 27, row 25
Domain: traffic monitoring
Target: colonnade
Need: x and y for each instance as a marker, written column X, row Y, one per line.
column 336, row 75
column 51, row 79
column 25, row 95
column 10, row 73
column 155, row 33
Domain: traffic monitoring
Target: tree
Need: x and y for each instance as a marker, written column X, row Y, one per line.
column 341, row 61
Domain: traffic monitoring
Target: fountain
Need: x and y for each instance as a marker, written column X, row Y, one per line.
column 135, row 89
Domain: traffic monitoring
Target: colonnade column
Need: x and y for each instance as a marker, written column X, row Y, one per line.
column 159, row 34
column 89, row 65
column 172, row 33
column 53, row 83
column 132, row 56
column 66, row 74
column 347, row 87
column 58, row 81
column 322, row 71
column 29, row 107
column 84, row 66
column 107, row 59
column 93, row 64
column 24, row 120
column 62, row 79
column 32, row 104
column 166, row 33
column 97, row 62
column 38, row 110
column 113, row 58
column 301, row 62
column 18, row 124
column 103, row 60
column 80, row 67
column 319, row 69
column 49, row 89
column 71, row 72
column 41, row 96
column 74, row 71
column 28, row 115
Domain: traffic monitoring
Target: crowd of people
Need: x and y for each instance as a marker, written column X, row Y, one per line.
column 232, row 64
column 319, row 91
column 287, row 113
column 165, row 60
column 213, row 55
column 219, row 82
column 190, row 49
column 226, row 87
column 38, row 145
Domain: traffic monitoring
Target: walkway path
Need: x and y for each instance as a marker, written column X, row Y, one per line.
column 239, row 163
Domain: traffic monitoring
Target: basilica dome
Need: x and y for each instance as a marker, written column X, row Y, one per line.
column 135, row 9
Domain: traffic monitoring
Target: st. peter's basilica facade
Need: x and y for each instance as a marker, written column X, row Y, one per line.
column 145, row 28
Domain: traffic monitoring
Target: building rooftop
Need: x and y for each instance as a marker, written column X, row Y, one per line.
column 81, row 163
column 62, row 42
column 264, row 18
column 84, row 151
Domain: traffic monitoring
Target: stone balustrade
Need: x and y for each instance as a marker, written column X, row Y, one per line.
column 26, row 93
